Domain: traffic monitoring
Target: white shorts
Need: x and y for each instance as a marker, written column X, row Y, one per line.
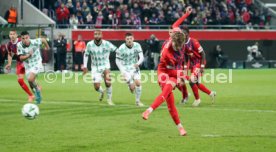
column 97, row 76
column 36, row 69
column 131, row 75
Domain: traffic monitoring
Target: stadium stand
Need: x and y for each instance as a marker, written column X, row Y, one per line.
column 249, row 22
column 115, row 13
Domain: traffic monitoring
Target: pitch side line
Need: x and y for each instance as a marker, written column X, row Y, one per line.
column 134, row 107
column 211, row 136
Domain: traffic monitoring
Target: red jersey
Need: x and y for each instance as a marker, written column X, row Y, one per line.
column 170, row 59
column 3, row 52
column 193, row 50
column 12, row 48
column 171, row 64
column 164, row 43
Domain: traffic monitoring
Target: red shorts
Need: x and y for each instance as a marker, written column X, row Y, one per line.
column 195, row 69
column 163, row 78
column 20, row 69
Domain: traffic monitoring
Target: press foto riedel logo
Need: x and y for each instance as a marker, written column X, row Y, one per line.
column 212, row 76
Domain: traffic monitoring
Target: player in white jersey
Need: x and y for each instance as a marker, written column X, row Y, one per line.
column 99, row 50
column 28, row 51
column 128, row 63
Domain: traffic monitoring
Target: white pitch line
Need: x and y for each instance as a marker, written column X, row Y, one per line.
column 210, row 135
column 133, row 106
column 59, row 102
column 76, row 103
column 239, row 110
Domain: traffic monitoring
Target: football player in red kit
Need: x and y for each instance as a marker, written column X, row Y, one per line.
column 20, row 69
column 181, row 88
column 170, row 75
column 195, row 61
column 175, row 27
column 170, row 72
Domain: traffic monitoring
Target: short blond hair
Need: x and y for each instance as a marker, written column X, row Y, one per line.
column 178, row 38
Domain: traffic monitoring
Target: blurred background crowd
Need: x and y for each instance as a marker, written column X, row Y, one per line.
column 119, row 13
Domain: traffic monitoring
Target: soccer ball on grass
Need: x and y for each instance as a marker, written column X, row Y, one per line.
column 30, row 111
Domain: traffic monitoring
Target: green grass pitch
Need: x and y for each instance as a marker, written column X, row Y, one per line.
column 72, row 119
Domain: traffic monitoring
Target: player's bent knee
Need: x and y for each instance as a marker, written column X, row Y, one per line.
column 30, row 79
column 108, row 85
column 96, row 87
column 20, row 76
column 137, row 82
column 131, row 88
column 107, row 81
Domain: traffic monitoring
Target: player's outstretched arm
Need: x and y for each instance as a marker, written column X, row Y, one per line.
column 85, row 61
column 186, row 61
column 181, row 19
column 25, row 57
column 186, row 64
column 8, row 66
column 119, row 64
column 140, row 61
column 203, row 59
column 86, row 53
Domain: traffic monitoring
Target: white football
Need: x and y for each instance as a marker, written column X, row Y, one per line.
column 30, row 111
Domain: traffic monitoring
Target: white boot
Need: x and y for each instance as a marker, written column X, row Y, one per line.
column 213, row 96
column 196, row 103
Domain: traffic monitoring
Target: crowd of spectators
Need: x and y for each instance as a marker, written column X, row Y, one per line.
column 120, row 13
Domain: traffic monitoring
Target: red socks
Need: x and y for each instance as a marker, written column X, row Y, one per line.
column 172, row 109
column 184, row 91
column 167, row 95
column 200, row 86
column 24, row 86
column 195, row 90
column 162, row 97
column 203, row 88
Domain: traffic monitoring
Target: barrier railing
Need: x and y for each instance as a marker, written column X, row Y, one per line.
column 107, row 26
column 135, row 27
column 253, row 64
